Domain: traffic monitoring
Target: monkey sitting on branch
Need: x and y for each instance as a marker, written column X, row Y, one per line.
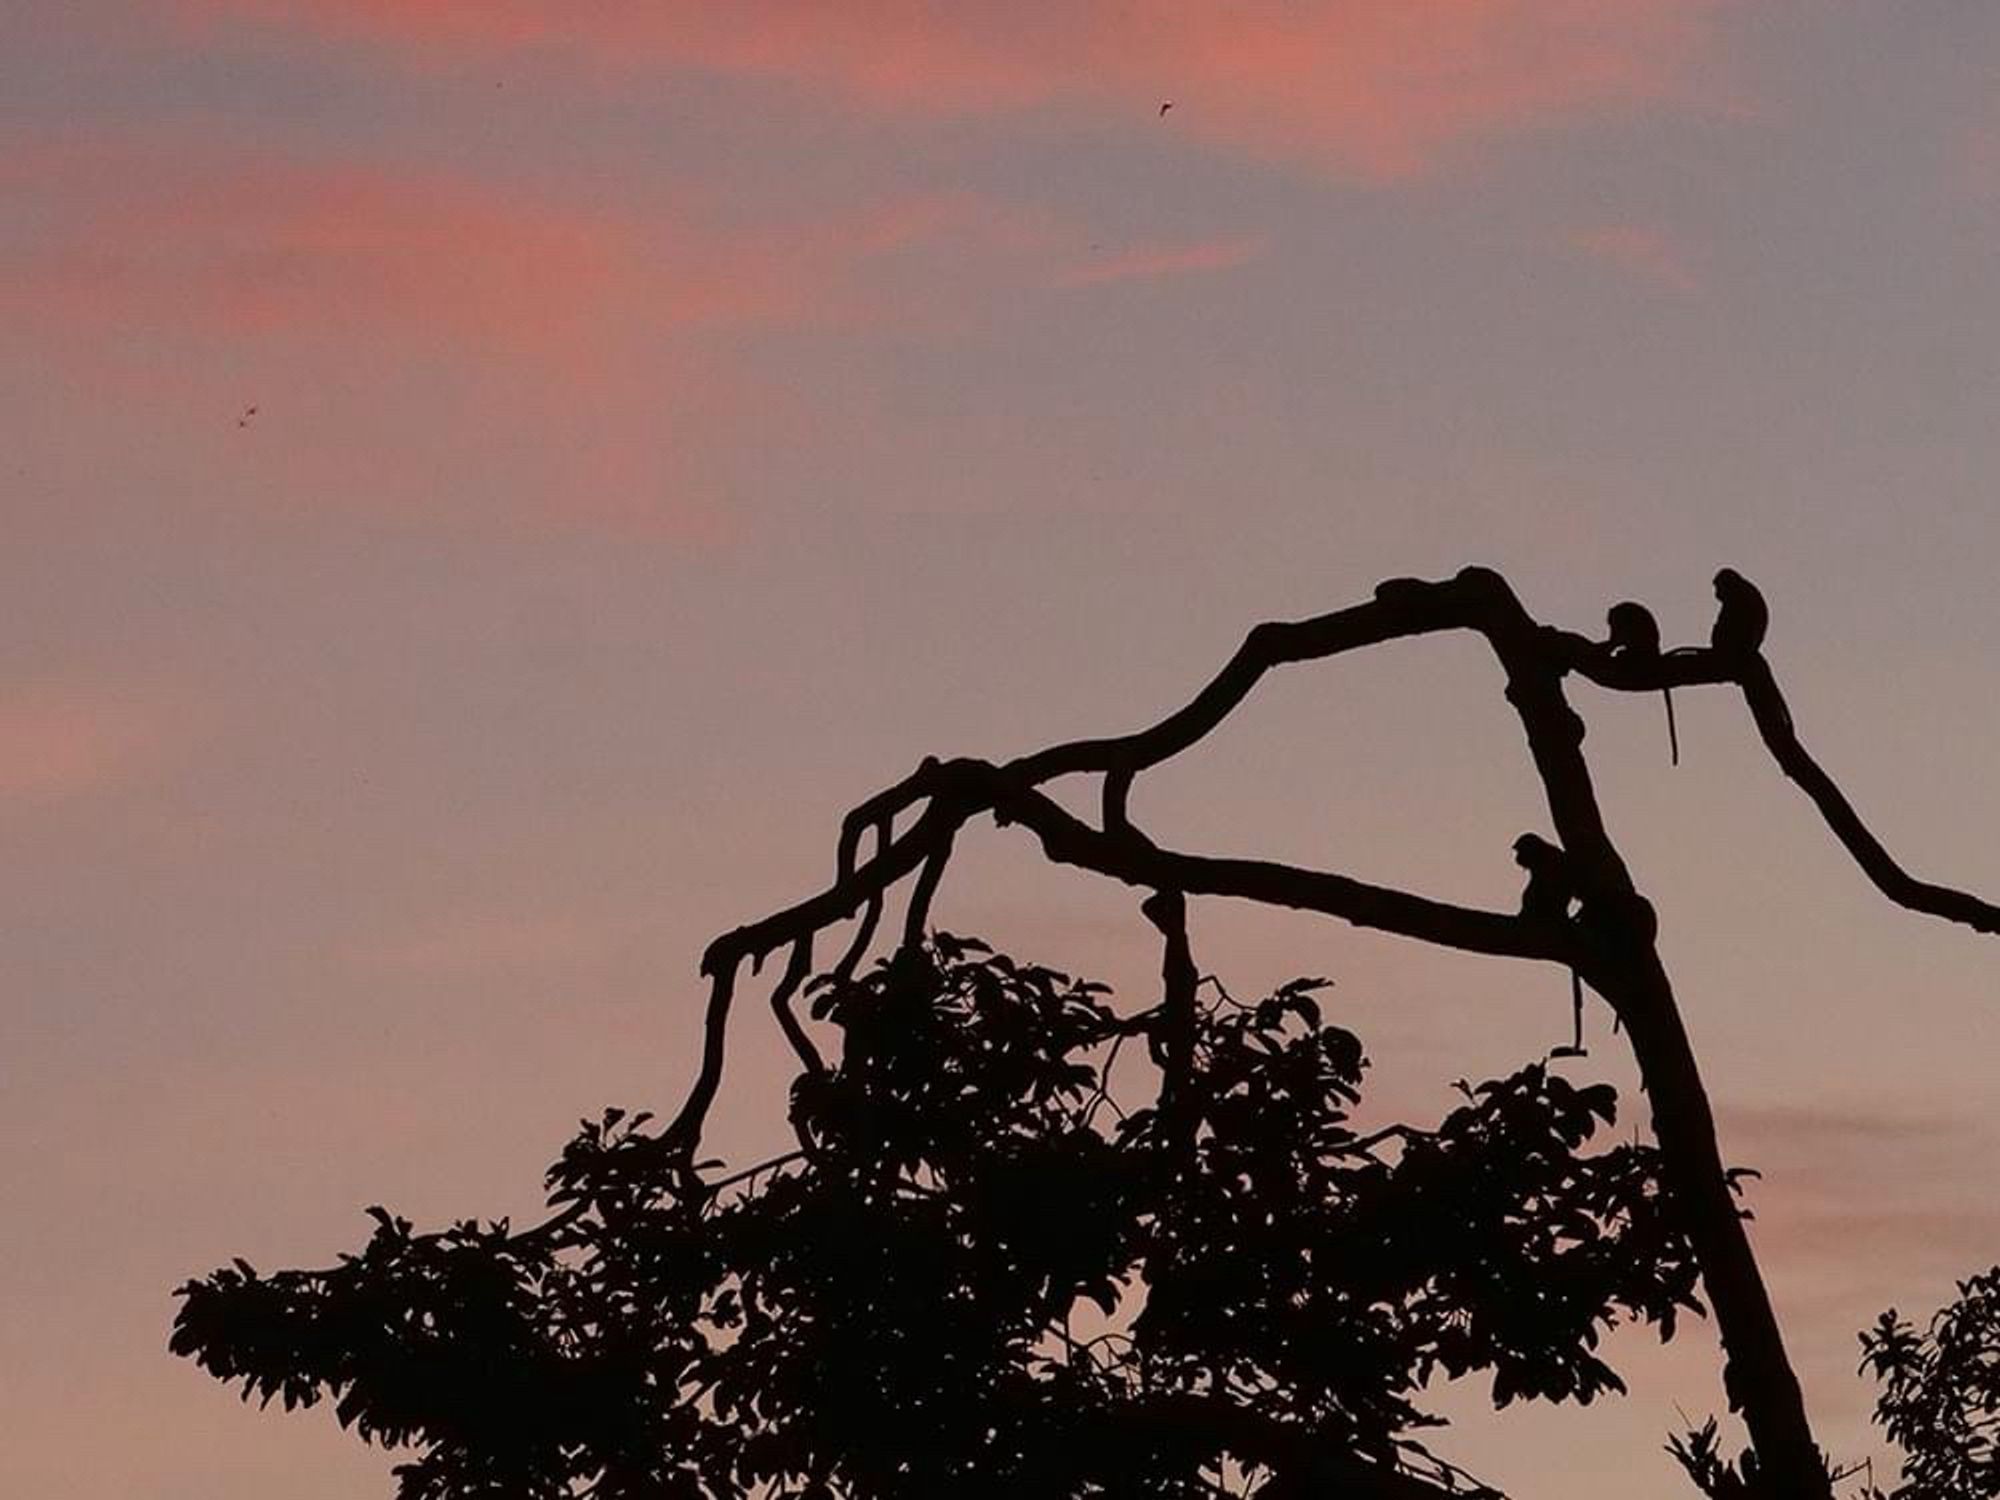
column 1635, row 637
column 1743, row 618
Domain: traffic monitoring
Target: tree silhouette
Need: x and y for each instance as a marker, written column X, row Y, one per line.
column 1941, row 1394
column 984, row 1276
column 888, row 1310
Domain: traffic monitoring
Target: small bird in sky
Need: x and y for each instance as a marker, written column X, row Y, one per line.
column 1165, row 106
column 248, row 413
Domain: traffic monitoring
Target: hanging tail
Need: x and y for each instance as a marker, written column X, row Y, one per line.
column 1575, row 1047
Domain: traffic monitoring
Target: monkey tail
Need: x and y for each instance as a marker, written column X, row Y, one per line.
column 1673, row 734
column 1575, row 1048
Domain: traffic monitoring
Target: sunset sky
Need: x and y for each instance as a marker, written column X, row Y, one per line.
column 488, row 482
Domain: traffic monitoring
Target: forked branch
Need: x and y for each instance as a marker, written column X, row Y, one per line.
column 1610, row 942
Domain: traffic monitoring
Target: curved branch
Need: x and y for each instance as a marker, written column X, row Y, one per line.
column 683, row 1136
column 931, row 834
column 917, row 918
column 871, row 917
column 1774, row 723
column 1402, row 607
column 879, row 811
column 796, row 974
column 897, row 858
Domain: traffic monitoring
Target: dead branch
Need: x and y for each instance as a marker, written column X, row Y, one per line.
column 1611, row 943
column 1774, row 723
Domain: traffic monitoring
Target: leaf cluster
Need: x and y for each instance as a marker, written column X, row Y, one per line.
column 1940, row 1398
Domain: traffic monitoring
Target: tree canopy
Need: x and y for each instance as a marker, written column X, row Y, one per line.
column 984, row 1274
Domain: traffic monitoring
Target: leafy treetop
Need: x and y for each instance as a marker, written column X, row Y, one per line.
column 980, row 1276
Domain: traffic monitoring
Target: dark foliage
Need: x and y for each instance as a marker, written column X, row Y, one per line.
column 1940, row 1396
column 979, row 1277
column 1700, row 1453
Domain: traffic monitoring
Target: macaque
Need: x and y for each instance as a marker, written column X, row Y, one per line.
column 1548, row 895
column 1549, row 892
column 1744, row 617
column 1635, row 636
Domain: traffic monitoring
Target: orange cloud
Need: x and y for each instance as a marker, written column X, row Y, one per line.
column 1146, row 261
column 1643, row 251
column 1376, row 87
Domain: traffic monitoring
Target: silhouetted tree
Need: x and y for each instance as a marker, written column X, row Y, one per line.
column 983, row 1275
column 890, row 1310
column 1941, row 1394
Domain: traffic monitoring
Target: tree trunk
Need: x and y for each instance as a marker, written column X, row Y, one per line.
column 1756, row 1372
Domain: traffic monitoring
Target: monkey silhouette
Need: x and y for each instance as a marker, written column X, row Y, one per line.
column 1634, row 635
column 1550, row 892
column 1547, row 897
column 1743, row 618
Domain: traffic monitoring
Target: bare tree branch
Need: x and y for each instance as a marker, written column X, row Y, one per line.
column 1136, row 860
column 1774, row 722
column 1700, row 667
column 1611, row 942
column 796, row 973
column 683, row 1136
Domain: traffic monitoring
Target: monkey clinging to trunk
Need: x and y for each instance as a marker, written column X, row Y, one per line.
column 1547, row 897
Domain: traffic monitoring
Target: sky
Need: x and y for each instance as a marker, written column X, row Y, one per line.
column 487, row 484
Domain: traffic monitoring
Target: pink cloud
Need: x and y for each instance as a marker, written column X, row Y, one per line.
column 1643, row 251
column 1148, row 261
column 1852, row 1186
column 1975, row 160
column 1376, row 87
column 235, row 243
column 59, row 741
column 238, row 246
column 423, row 345
column 419, row 345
